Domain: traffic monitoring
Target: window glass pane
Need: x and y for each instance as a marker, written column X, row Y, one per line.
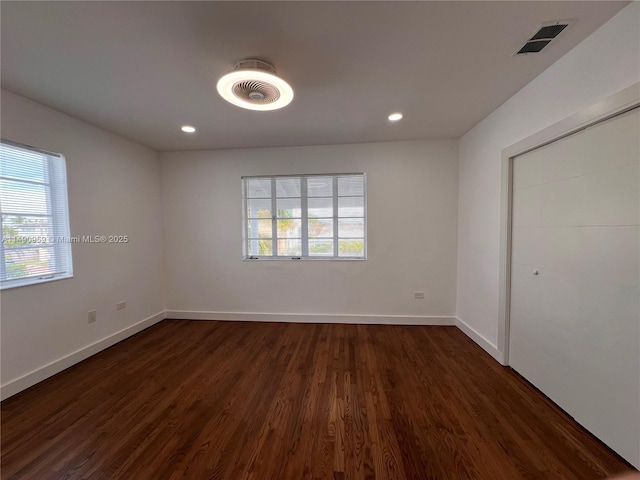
column 259, row 228
column 288, row 208
column 28, row 262
column 320, row 207
column 263, row 248
column 351, row 206
column 259, row 188
column 320, row 248
column 320, row 227
column 351, row 248
column 35, row 228
column 289, row 228
column 319, row 186
column 27, row 198
column 353, row 185
column 289, row 247
column 22, row 164
column 259, row 208
column 351, row 227
column 18, row 230
column 288, row 187
column 284, row 238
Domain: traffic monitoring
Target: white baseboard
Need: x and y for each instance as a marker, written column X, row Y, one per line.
column 349, row 318
column 14, row 386
column 17, row 385
column 312, row 318
column 480, row 340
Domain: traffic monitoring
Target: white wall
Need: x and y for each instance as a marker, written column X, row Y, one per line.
column 114, row 188
column 603, row 64
column 416, row 187
column 412, row 205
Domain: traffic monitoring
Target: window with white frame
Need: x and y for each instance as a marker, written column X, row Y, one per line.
column 305, row 217
column 34, row 216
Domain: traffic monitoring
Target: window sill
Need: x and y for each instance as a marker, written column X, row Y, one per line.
column 31, row 281
column 304, row 259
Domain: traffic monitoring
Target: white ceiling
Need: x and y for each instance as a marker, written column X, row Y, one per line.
column 143, row 69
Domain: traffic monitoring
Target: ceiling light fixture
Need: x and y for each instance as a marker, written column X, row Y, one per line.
column 188, row 129
column 253, row 84
column 394, row 117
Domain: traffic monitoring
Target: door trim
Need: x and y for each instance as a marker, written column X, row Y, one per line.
column 614, row 105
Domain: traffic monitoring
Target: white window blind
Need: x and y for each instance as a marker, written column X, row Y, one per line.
column 34, row 216
column 305, row 217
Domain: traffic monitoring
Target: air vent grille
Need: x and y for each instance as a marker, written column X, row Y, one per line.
column 543, row 37
column 533, row 47
column 549, row 32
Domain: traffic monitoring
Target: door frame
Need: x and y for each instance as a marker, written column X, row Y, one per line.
column 614, row 105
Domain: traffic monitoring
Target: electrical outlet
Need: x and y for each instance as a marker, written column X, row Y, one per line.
column 418, row 295
column 121, row 305
column 92, row 317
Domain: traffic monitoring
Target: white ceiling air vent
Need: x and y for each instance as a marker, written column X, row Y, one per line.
column 253, row 84
column 543, row 37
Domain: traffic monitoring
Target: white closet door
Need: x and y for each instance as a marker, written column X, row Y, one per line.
column 575, row 277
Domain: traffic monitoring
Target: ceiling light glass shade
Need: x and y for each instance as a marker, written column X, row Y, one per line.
column 188, row 129
column 394, row 117
column 226, row 86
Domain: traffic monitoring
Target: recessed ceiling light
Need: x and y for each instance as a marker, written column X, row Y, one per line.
column 188, row 129
column 394, row 117
column 254, row 85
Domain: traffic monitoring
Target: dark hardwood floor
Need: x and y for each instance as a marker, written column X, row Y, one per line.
column 228, row 400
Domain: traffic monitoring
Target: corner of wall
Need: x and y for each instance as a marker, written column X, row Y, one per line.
column 22, row 383
column 485, row 344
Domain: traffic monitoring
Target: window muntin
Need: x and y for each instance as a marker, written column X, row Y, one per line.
column 34, row 216
column 305, row 217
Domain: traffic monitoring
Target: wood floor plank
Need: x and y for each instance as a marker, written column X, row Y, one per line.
column 240, row 400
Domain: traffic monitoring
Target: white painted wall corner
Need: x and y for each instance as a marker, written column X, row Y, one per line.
column 485, row 344
column 22, row 383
